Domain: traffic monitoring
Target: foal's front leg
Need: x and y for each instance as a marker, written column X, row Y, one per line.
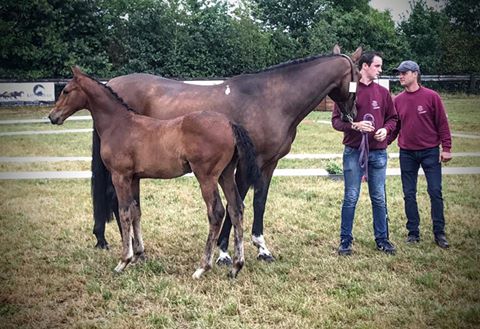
column 128, row 211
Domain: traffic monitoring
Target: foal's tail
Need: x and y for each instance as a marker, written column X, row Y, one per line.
column 247, row 155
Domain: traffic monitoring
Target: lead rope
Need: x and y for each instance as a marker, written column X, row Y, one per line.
column 364, row 148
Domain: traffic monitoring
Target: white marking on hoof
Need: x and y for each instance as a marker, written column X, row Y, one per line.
column 259, row 242
column 224, row 258
column 198, row 273
column 120, row 267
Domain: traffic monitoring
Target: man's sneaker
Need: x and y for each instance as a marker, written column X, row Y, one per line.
column 441, row 241
column 412, row 239
column 386, row 246
column 345, row 247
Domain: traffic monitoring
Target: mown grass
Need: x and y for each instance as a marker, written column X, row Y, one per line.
column 52, row 277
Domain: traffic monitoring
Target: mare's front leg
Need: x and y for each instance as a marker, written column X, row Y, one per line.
column 215, row 212
column 259, row 202
column 103, row 195
column 128, row 212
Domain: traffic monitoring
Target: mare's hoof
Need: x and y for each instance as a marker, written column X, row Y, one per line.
column 224, row 260
column 266, row 258
column 102, row 245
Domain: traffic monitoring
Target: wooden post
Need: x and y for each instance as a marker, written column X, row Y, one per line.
column 473, row 83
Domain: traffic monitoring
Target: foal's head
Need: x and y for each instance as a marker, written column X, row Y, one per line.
column 344, row 96
column 71, row 100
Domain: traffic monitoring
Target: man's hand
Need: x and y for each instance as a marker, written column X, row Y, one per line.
column 445, row 156
column 363, row 126
column 381, row 134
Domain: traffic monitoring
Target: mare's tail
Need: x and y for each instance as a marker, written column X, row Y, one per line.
column 247, row 155
column 103, row 192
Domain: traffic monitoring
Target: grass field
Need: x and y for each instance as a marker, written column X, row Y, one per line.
column 52, row 277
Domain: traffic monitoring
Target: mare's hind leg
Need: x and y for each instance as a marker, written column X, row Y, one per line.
column 138, row 247
column 259, row 202
column 128, row 211
column 215, row 211
column 235, row 211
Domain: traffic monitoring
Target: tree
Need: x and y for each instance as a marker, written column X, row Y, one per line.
column 423, row 30
column 43, row 38
column 371, row 29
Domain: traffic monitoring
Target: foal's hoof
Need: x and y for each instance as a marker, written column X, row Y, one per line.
column 235, row 270
column 119, row 268
column 268, row 258
column 198, row 273
column 138, row 258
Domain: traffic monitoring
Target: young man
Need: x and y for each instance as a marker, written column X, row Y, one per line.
column 421, row 128
column 376, row 118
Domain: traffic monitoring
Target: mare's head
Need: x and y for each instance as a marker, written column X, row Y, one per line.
column 343, row 95
column 71, row 100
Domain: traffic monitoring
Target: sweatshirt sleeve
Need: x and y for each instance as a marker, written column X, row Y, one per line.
column 391, row 116
column 338, row 123
column 443, row 128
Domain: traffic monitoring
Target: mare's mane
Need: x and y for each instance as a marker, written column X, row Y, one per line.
column 112, row 92
column 295, row 62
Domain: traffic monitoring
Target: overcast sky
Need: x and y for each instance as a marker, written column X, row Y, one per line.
column 398, row 7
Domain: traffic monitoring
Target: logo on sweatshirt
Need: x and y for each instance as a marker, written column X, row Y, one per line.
column 375, row 105
column 420, row 110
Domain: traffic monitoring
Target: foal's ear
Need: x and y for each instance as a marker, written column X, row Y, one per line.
column 336, row 50
column 356, row 55
column 76, row 70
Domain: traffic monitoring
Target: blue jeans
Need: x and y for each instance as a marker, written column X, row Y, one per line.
column 352, row 173
column 410, row 162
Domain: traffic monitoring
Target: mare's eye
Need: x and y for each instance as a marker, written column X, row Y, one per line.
column 65, row 92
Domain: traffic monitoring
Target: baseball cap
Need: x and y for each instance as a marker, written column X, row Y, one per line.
column 407, row 66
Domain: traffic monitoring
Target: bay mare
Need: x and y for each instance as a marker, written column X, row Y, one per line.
column 269, row 105
column 134, row 146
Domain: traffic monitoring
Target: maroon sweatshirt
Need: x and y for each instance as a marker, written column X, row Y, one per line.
column 375, row 100
column 422, row 121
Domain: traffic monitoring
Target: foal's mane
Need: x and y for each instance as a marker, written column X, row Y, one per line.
column 295, row 62
column 112, row 92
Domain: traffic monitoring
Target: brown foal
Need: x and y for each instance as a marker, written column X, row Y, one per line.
column 134, row 146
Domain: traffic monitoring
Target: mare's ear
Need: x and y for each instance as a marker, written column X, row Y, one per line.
column 356, row 55
column 336, row 50
column 76, row 70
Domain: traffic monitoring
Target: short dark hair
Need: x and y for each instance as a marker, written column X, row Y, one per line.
column 367, row 57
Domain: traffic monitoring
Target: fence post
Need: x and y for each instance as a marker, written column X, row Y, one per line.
column 473, row 83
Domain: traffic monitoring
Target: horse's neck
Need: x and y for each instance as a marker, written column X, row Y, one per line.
column 107, row 112
column 303, row 86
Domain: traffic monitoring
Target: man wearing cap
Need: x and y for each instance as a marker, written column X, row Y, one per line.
column 422, row 127
column 365, row 153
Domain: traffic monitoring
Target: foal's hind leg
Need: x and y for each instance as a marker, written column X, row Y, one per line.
column 138, row 247
column 223, row 257
column 235, row 210
column 215, row 211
